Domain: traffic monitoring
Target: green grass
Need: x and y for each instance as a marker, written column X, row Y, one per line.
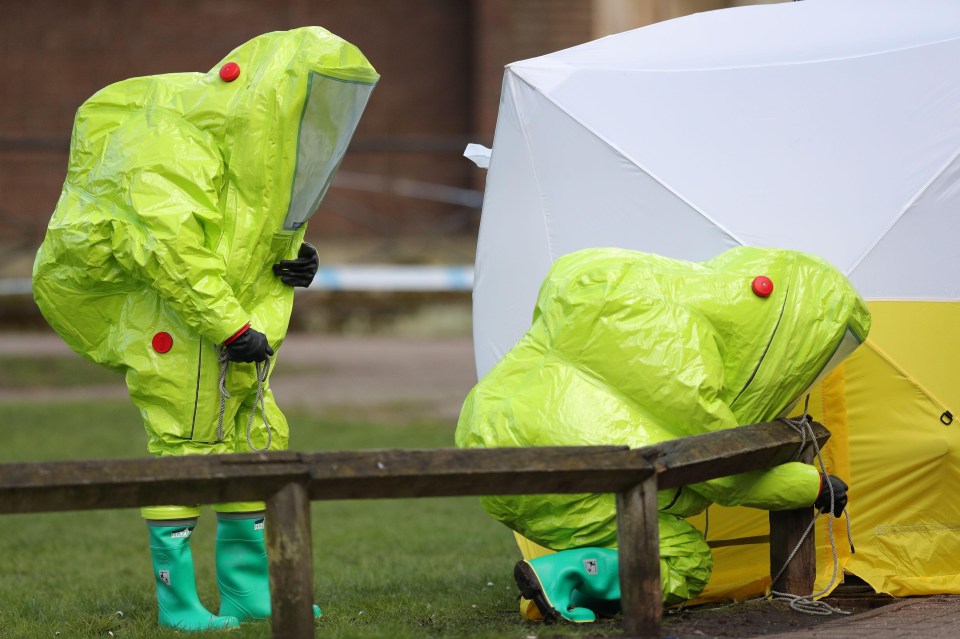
column 382, row 568
column 25, row 372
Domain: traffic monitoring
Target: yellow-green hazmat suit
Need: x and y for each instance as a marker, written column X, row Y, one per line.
column 182, row 191
column 632, row 348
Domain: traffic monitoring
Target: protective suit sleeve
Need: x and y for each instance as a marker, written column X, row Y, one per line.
column 173, row 190
column 784, row 487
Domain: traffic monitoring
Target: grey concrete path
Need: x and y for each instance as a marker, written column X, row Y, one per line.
column 386, row 378
column 405, row 377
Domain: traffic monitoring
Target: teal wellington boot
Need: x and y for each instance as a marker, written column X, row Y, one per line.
column 242, row 572
column 177, row 598
column 561, row 584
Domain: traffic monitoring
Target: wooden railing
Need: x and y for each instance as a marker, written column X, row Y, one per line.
column 288, row 481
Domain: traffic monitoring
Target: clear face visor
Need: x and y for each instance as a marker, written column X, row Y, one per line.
column 330, row 116
column 847, row 345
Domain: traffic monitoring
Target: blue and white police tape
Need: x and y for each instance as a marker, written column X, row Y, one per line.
column 351, row 277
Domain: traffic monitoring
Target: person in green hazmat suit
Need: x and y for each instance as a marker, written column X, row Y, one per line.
column 633, row 349
column 172, row 257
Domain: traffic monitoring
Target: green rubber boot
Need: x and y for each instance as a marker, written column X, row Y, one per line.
column 560, row 583
column 242, row 572
column 177, row 598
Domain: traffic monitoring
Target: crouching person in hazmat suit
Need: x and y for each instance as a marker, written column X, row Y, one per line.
column 633, row 349
column 172, row 257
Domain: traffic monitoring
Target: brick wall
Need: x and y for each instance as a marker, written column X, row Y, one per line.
column 56, row 54
column 511, row 30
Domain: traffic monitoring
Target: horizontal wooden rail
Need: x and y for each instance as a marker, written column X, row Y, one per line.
column 287, row 481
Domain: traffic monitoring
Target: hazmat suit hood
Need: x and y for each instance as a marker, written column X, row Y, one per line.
column 182, row 191
column 300, row 99
column 633, row 349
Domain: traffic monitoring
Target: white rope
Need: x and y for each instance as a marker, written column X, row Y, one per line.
column 224, row 395
column 809, row 604
column 262, row 370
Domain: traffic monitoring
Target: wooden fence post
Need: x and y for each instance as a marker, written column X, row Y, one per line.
column 786, row 529
column 290, row 557
column 638, row 546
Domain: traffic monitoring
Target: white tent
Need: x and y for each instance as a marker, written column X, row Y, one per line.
column 829, row 126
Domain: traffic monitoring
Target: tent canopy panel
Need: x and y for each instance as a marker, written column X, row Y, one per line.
column 786, row 33
column 905, row 465
column 916, row 259
column 834, row 149
column 512, row 251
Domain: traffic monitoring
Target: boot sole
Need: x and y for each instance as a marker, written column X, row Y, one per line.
column 531, row 588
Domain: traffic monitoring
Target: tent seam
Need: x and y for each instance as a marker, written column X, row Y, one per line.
column 910, row 378
column 630, row 159
column 903, row 211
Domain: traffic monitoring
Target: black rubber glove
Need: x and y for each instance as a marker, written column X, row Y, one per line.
column 249, row 346
column 301, row 271
column 839, row 495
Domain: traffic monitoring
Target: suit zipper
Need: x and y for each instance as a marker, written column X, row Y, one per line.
column 765, row 350
column 196, row 392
